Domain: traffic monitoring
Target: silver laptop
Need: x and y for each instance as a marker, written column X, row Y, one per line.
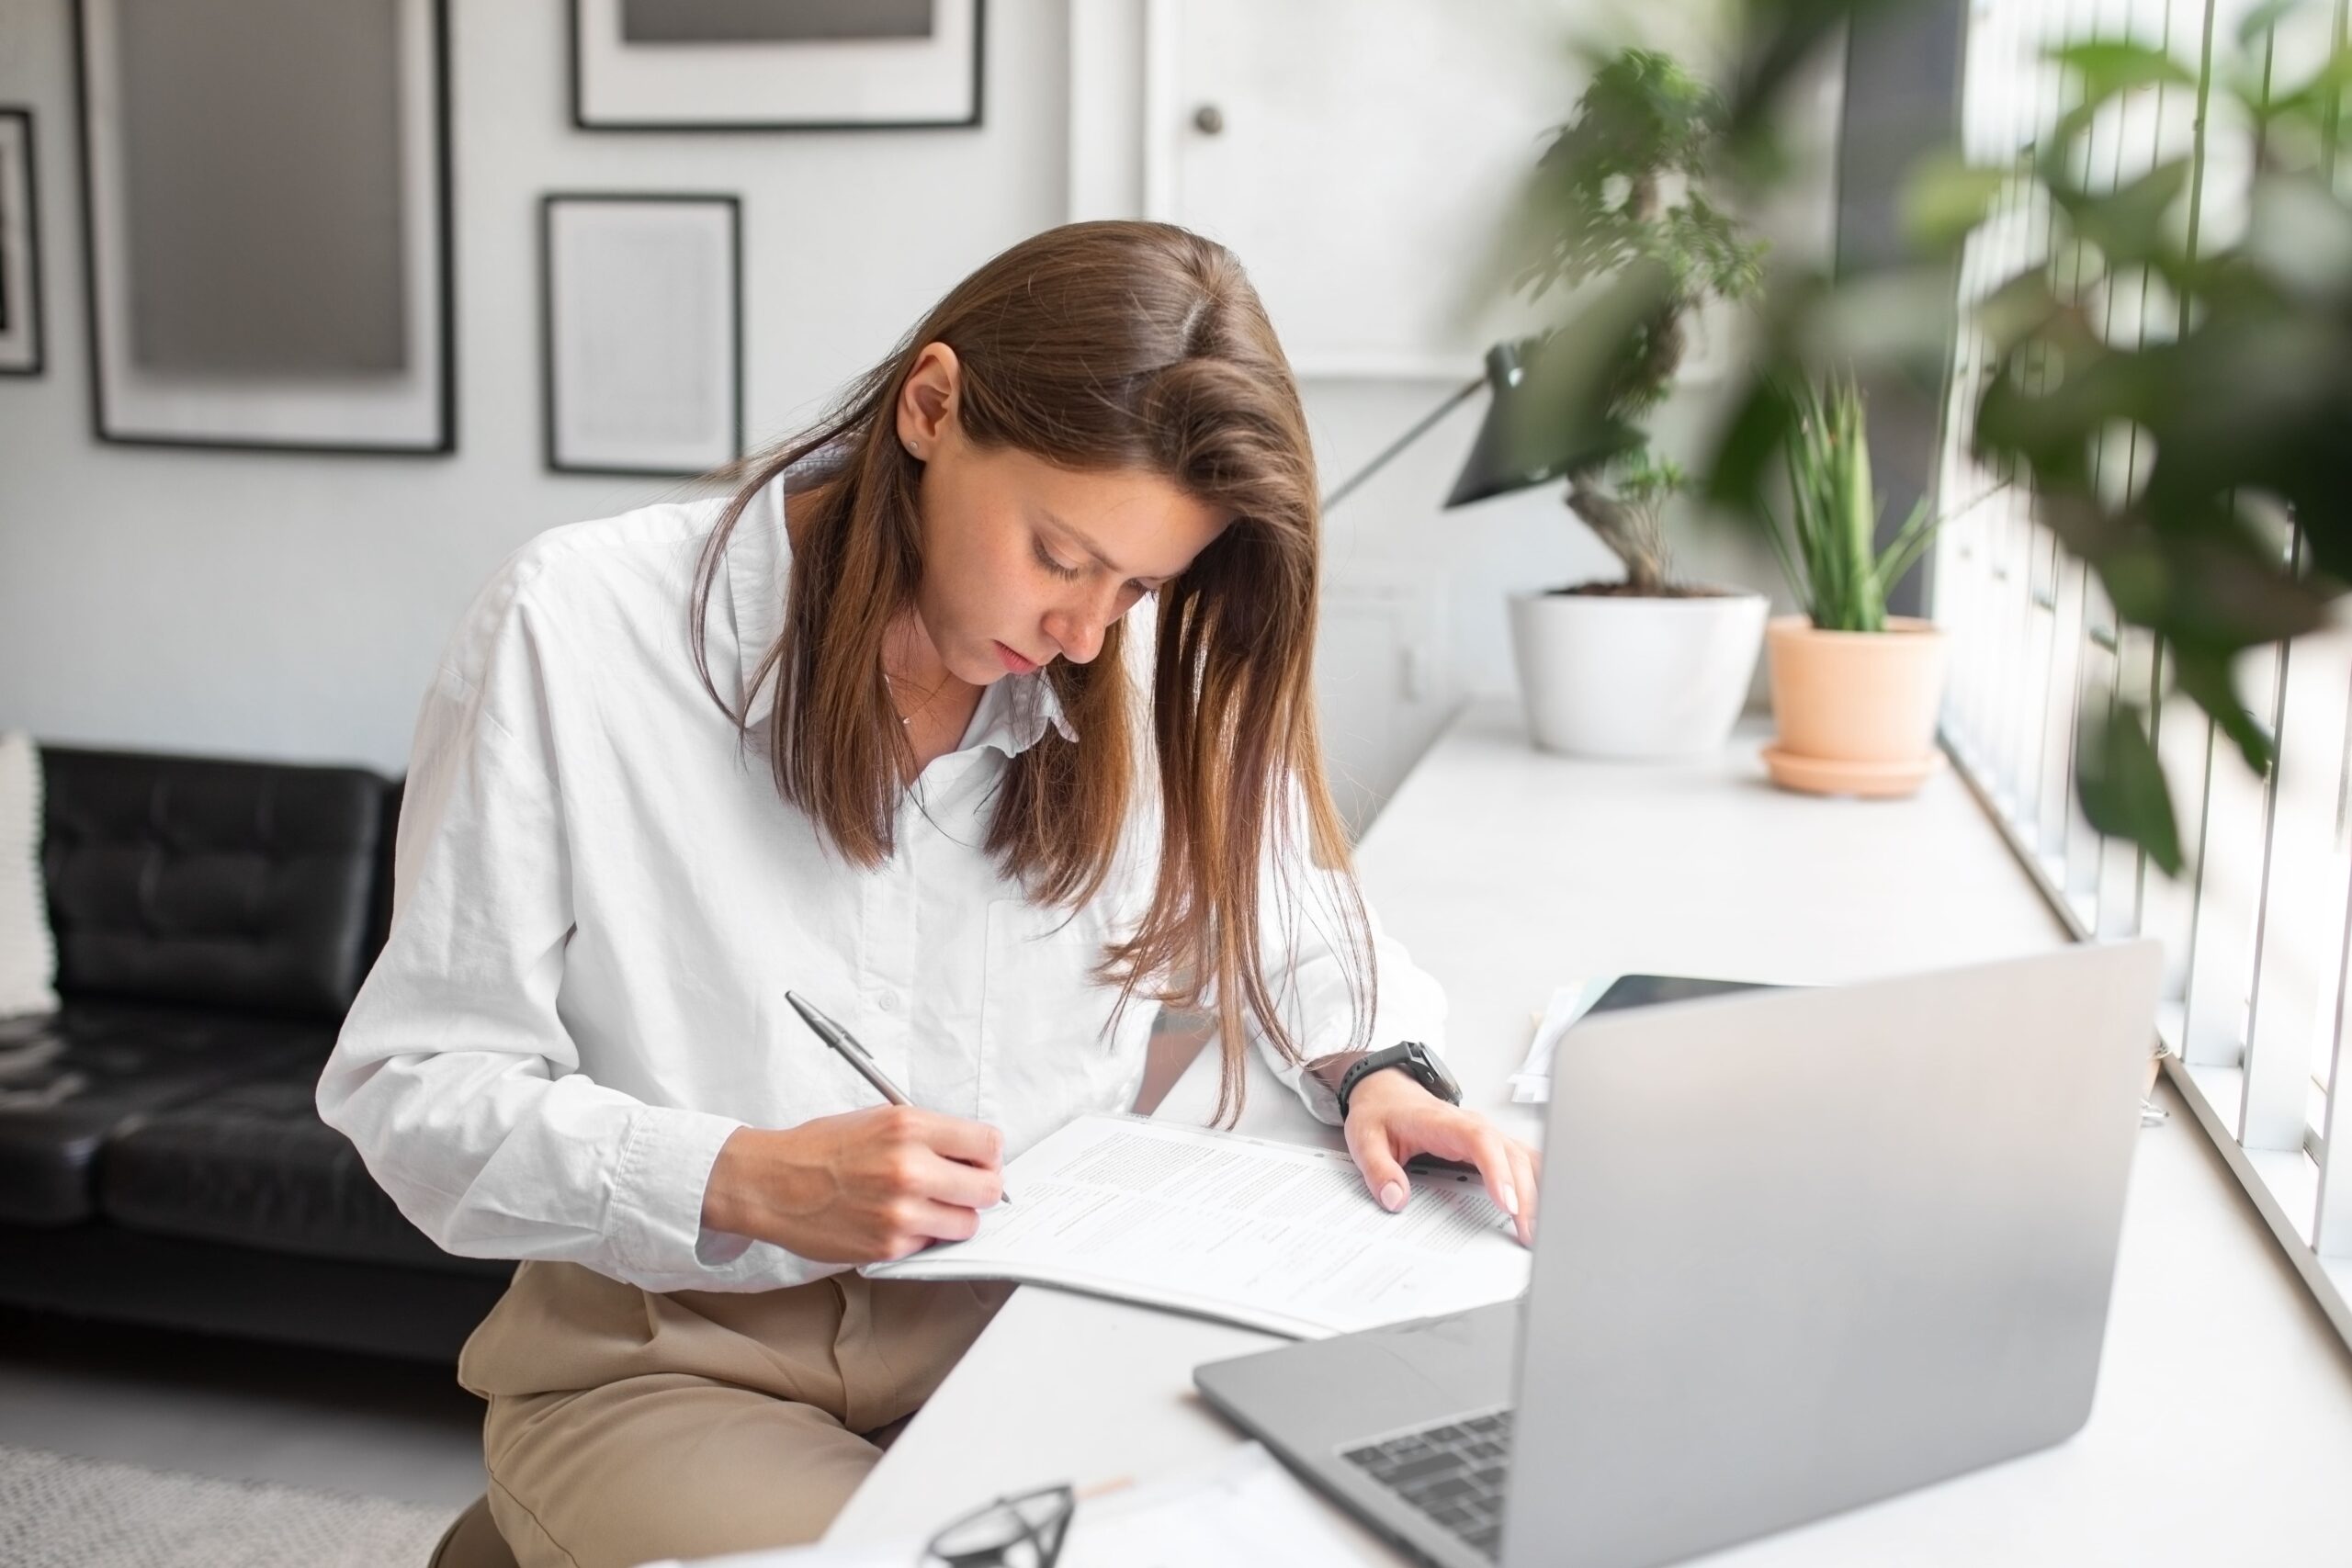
column 1796, row 1250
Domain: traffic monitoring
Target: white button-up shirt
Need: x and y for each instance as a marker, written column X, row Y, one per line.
column 600, row 899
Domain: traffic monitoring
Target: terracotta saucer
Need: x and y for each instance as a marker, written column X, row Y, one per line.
column 1822, row 776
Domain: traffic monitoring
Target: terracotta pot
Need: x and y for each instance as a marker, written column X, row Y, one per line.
column 1856, row 710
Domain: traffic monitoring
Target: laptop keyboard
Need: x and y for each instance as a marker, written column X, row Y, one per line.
column 1454, row 1472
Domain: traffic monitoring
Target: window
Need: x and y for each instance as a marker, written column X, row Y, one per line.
column 2255, row 930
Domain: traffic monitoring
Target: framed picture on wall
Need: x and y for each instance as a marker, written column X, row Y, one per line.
column 19, row 248
column 267, row 229
column 770, row 65
column 642, row 297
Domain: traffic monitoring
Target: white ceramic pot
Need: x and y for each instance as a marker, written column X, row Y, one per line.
column 1612, row 675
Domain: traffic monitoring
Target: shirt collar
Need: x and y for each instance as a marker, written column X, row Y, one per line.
column 757, row 560
column 1014, row 713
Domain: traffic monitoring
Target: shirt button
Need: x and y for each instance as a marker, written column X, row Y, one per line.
column 889, row 1001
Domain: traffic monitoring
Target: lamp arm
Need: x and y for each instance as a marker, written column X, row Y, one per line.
column 1453, row 401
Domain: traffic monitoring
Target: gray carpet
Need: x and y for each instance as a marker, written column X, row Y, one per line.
column 61, row 1512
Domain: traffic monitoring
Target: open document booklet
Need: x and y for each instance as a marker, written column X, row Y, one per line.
column 1276, row 1237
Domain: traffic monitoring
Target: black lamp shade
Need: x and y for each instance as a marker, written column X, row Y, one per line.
column 1529, row 439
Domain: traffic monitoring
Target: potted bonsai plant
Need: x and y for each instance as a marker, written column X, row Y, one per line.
column 1855, row 691
column 1650, row 666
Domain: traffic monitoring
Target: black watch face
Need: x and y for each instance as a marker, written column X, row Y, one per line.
column 1438, row 1079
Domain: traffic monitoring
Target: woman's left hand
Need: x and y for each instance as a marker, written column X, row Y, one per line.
column 1391, row 1118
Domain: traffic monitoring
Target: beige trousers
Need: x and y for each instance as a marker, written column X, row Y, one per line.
column 625, row 1426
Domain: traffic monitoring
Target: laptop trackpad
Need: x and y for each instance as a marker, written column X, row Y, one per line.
column 1321, row 1393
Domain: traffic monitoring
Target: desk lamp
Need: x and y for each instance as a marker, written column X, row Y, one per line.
column 1523, row 441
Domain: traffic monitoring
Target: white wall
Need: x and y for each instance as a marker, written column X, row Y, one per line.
column 291, row 606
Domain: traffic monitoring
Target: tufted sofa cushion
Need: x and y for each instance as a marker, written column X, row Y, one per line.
column 187, row 879
column 252, row 1163
column 71, row 1082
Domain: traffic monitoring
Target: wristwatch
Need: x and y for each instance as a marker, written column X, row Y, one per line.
column 1331, row 1079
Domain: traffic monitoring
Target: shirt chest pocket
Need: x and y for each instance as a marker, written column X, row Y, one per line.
column 1047, row 1051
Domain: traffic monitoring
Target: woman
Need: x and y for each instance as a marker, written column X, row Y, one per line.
column 1021, row 635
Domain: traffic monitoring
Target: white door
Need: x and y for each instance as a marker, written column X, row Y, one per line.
column 1360, row 156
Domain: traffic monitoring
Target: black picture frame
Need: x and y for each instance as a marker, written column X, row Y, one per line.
column 22, row 290
column 582, row 119
column 440, row 275
column 551, row 455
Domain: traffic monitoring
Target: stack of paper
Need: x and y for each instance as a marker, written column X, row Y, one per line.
column 1270, row 1235
column 1532, row 1085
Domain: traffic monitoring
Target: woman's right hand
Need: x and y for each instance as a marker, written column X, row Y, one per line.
column 858, row 1187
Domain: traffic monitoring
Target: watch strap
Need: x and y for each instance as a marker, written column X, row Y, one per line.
column 1411, row 1058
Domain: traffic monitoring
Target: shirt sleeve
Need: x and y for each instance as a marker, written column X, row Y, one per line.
column 1312, row 939
column 454, row 1074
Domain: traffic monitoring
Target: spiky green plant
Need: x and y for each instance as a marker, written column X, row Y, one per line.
column 1829, row 548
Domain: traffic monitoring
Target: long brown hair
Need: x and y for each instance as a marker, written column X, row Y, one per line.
column 1104, row 345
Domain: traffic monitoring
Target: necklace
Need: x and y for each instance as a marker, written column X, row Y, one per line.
column 909, row 716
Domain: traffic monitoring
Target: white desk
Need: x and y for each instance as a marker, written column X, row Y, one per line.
column 2222, row 1429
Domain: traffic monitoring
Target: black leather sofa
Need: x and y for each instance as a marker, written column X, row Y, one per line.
column 161, row 1159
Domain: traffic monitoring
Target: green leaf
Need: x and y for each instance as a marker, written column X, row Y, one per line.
column 2057, row 429
column 2205, row 674
column 1743, row 454
column 2020, row 308
column 2123, row 784
column 2128, row 224
column 2138, row 582
column 2262, row 18
column 2229, row 591
column 2314, row 98
column 1574, row 394
column 2109, row 66
column 1910, row 542
column 1945, row 198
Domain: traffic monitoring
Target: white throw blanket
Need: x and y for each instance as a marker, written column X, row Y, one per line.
column 28, row 951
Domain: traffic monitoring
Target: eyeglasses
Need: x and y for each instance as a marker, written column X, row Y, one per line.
column 1022, row 1531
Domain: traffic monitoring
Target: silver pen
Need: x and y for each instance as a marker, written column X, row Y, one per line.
column 846, row 1045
